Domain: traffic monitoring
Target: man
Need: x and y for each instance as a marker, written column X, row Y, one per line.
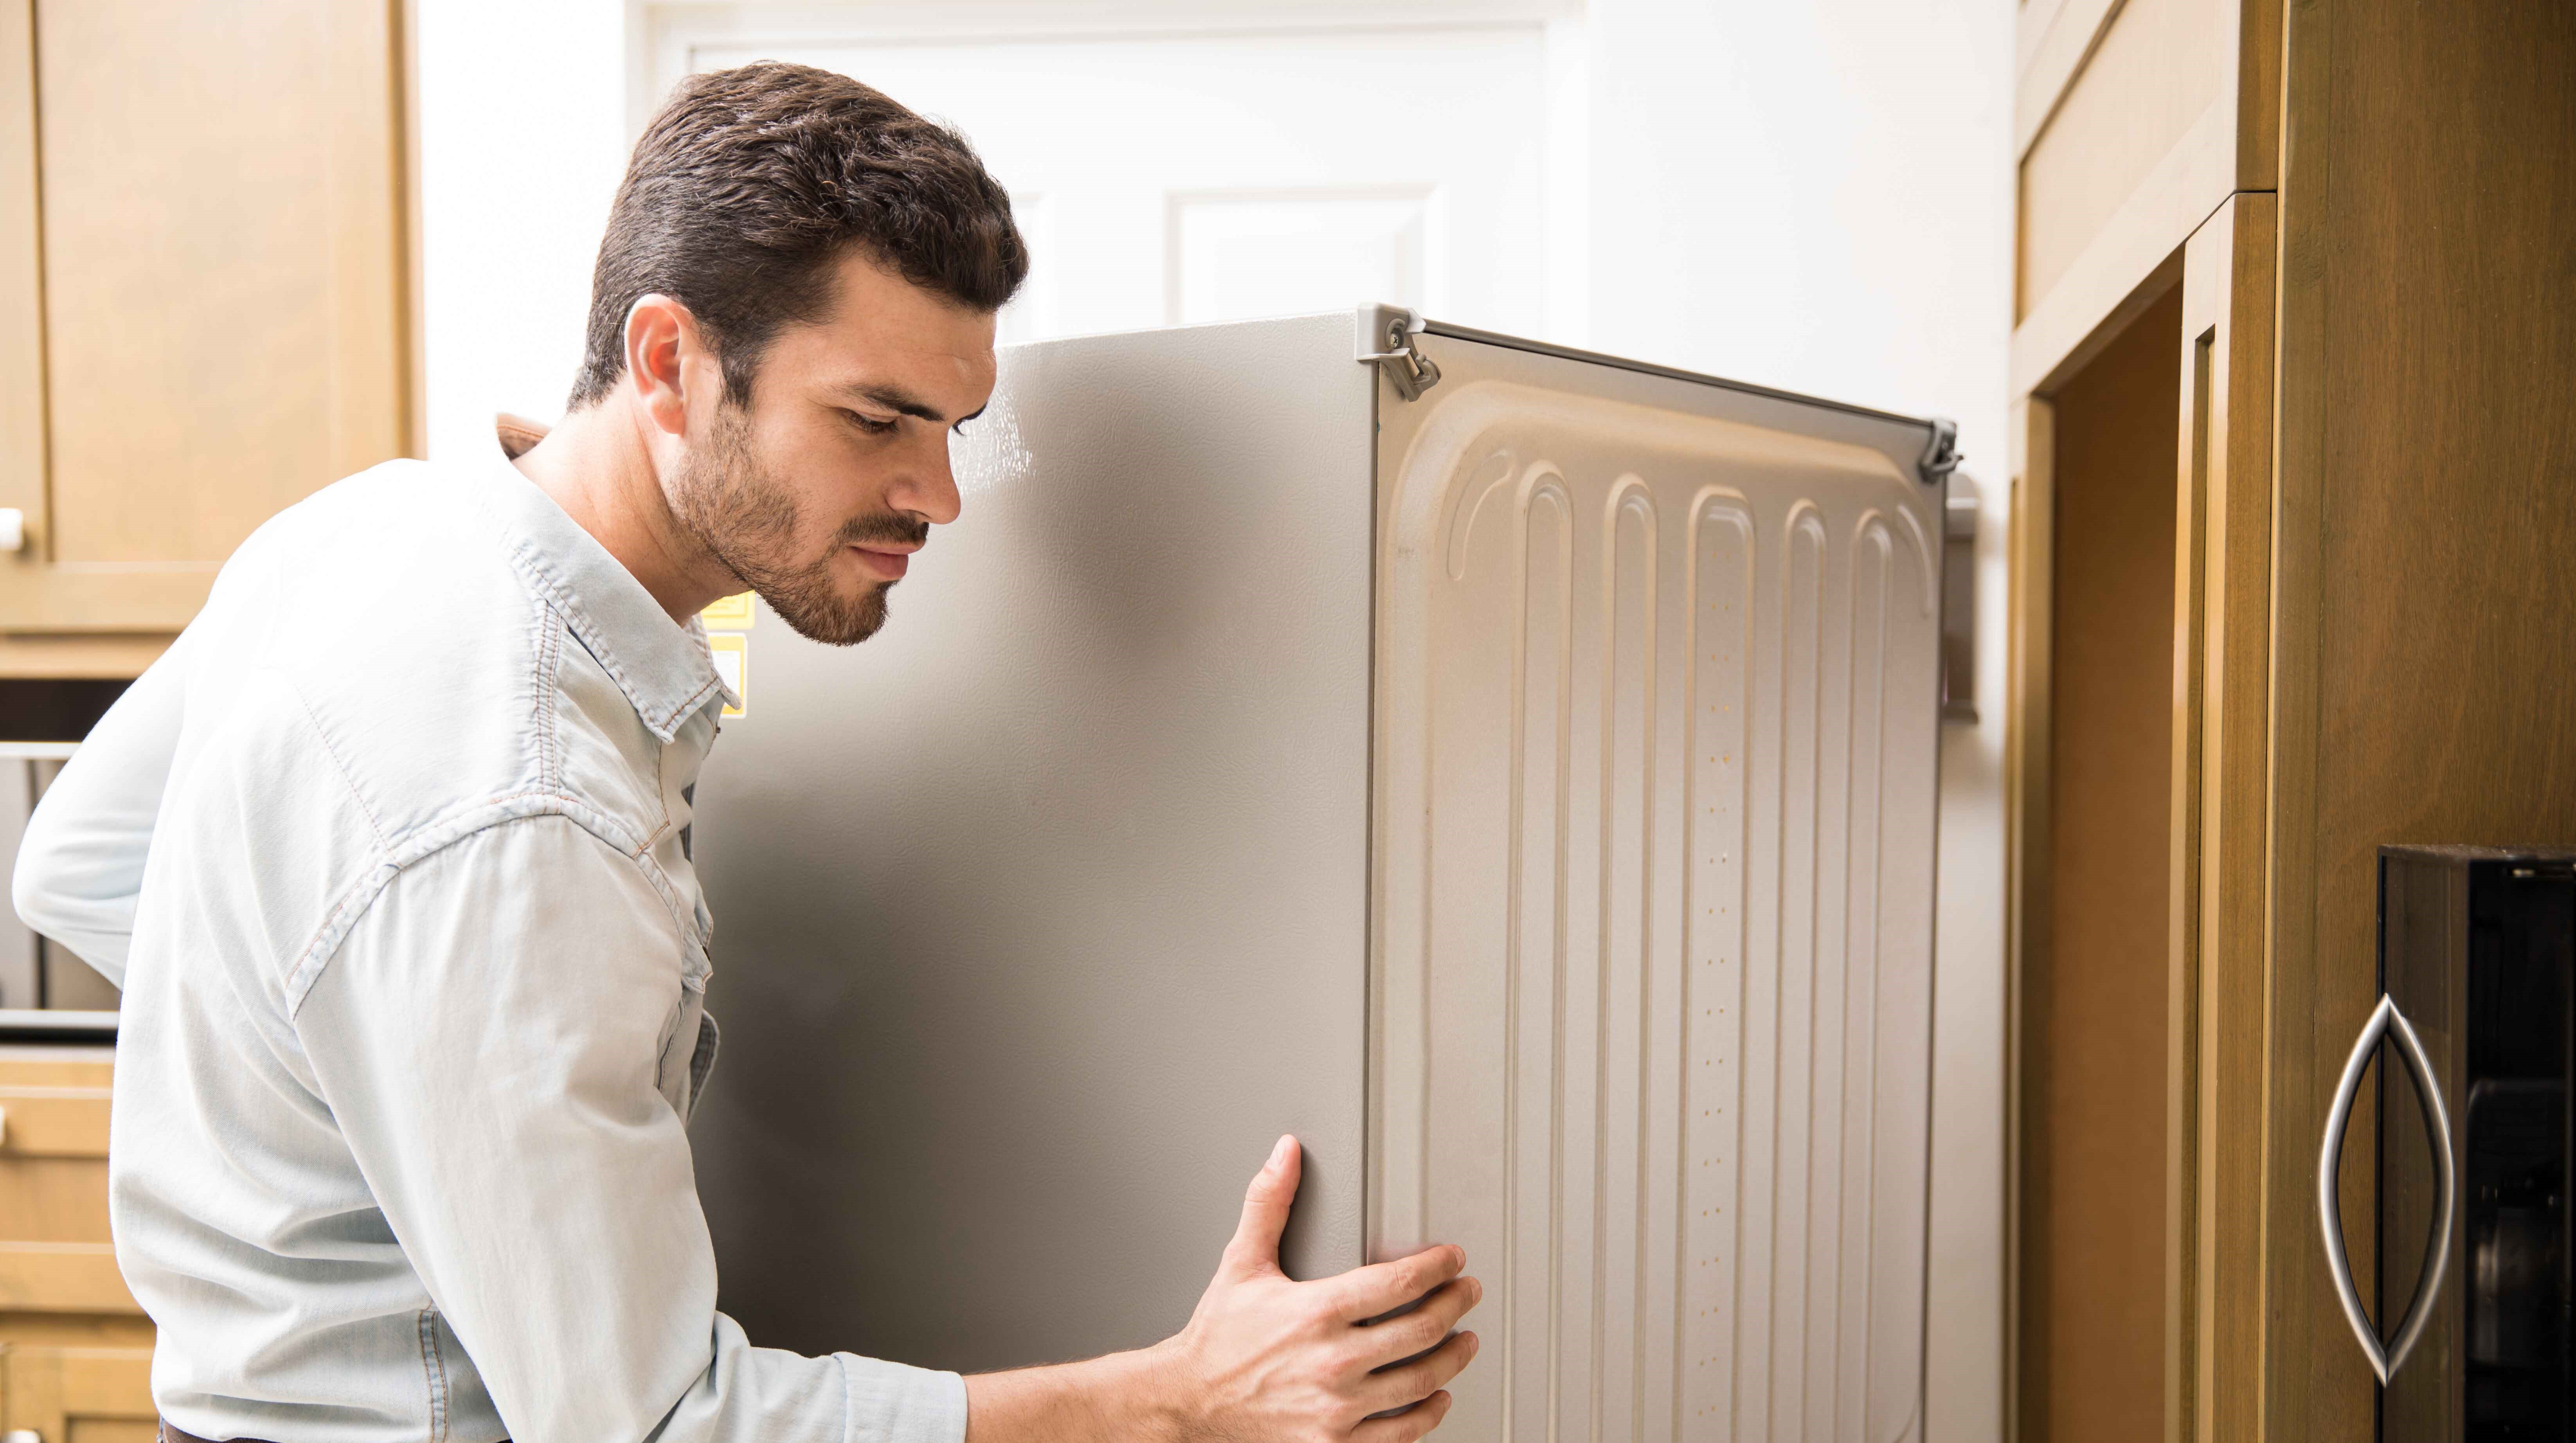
column 391, row 856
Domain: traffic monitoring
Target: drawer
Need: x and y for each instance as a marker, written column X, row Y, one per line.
column 53, row 1122
column 77, row 1394
column 55, row 1254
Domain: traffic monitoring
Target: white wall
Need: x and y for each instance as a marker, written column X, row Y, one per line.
column 1814, row 196
column 523, row 135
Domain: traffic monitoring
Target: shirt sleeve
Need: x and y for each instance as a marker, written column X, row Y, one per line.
column 80, row 863
column 490, row 1040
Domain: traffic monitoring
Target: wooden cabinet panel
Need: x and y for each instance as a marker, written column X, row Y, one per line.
column 78, row 1395
column 2135, row 121
column 2092, row 1024
column 55, row 1254
column 217, row 264
column 52, row 1122
column 2424, row 689
column 22, row 272
column 2369, row 572
column 2160, row 69
column 62, row 1278
column 54, row 1200
column 2220, row 780
column 2143, row 666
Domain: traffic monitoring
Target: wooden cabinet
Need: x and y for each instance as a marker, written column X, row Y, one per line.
column 78, row 1395
column 2306, row 273
column 204, row 298
column 75, row 1349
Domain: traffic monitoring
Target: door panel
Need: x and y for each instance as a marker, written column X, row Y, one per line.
column 1310, row 173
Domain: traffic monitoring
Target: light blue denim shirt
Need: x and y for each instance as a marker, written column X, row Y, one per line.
column 390, row 855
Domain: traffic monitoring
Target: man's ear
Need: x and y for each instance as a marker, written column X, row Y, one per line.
column 661, row 342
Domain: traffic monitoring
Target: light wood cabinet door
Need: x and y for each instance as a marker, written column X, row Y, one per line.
column 203, row 289
column 2133, row 121
column 2423, row 690
column 75, row 1349
column 78, row 1395
column 55, row 1252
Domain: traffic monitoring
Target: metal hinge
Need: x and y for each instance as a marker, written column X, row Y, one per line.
column 1386, row 341
column 1959, row 600
column 1941, row 454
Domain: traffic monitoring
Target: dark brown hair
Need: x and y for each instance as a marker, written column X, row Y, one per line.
column 752, row 182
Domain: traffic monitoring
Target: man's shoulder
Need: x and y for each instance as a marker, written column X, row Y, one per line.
column 388, row 612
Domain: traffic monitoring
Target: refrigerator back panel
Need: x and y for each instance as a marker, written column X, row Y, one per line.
column 1655, row 770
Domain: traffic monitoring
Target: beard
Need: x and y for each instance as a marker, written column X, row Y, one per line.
column 731, row 504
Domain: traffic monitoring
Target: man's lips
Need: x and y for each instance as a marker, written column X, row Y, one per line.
column 889, row 565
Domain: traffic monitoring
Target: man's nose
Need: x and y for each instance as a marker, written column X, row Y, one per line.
column 928, row 488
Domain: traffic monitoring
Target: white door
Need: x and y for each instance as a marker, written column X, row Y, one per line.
column 1166, row 179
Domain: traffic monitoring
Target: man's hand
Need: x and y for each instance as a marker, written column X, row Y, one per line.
column 1265, row 1358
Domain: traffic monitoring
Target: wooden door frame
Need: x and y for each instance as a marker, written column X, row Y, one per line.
column 2217, row 994
column 2218, row 1103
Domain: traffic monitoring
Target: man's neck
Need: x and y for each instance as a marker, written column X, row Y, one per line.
column 597, row 464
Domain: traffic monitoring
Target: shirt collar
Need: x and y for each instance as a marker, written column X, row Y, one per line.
column 661, row 665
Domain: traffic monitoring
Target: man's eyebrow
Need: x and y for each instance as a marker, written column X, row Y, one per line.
column 903, row 402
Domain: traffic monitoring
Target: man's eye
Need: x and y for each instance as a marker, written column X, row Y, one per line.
column 870, row 424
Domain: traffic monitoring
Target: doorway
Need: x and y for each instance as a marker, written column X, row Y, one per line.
column 1255, row 171
column 2095, row 961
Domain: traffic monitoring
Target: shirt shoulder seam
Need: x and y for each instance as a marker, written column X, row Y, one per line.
column 356, row 899
column 339, row 766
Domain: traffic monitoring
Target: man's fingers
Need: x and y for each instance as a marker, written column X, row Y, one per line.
column 1419, row 1330
column 1255, row 1248
column 1404, row 1427
column 1407, row 1382
column 1384, row 1287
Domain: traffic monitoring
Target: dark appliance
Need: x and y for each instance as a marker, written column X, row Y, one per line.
column 2475, row 1031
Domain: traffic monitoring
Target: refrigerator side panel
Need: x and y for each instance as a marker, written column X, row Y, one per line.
column 1657, row 724
column 1043, row 913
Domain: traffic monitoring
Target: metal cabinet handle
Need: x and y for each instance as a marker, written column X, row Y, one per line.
column 2386, row 1362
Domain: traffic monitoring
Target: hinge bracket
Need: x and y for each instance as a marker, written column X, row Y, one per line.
column 1386, row 341
column 1941, row 454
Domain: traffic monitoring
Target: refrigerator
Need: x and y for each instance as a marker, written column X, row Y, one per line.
column 1509, row 769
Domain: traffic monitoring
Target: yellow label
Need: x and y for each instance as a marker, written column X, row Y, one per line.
column 731, row 614
column 731, row 653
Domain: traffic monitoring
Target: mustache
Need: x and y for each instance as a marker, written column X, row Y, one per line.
column 884, row 528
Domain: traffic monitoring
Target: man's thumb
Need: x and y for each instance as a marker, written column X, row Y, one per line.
column 1255, row 1248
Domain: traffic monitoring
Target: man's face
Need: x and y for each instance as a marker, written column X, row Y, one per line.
column 816, row 494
